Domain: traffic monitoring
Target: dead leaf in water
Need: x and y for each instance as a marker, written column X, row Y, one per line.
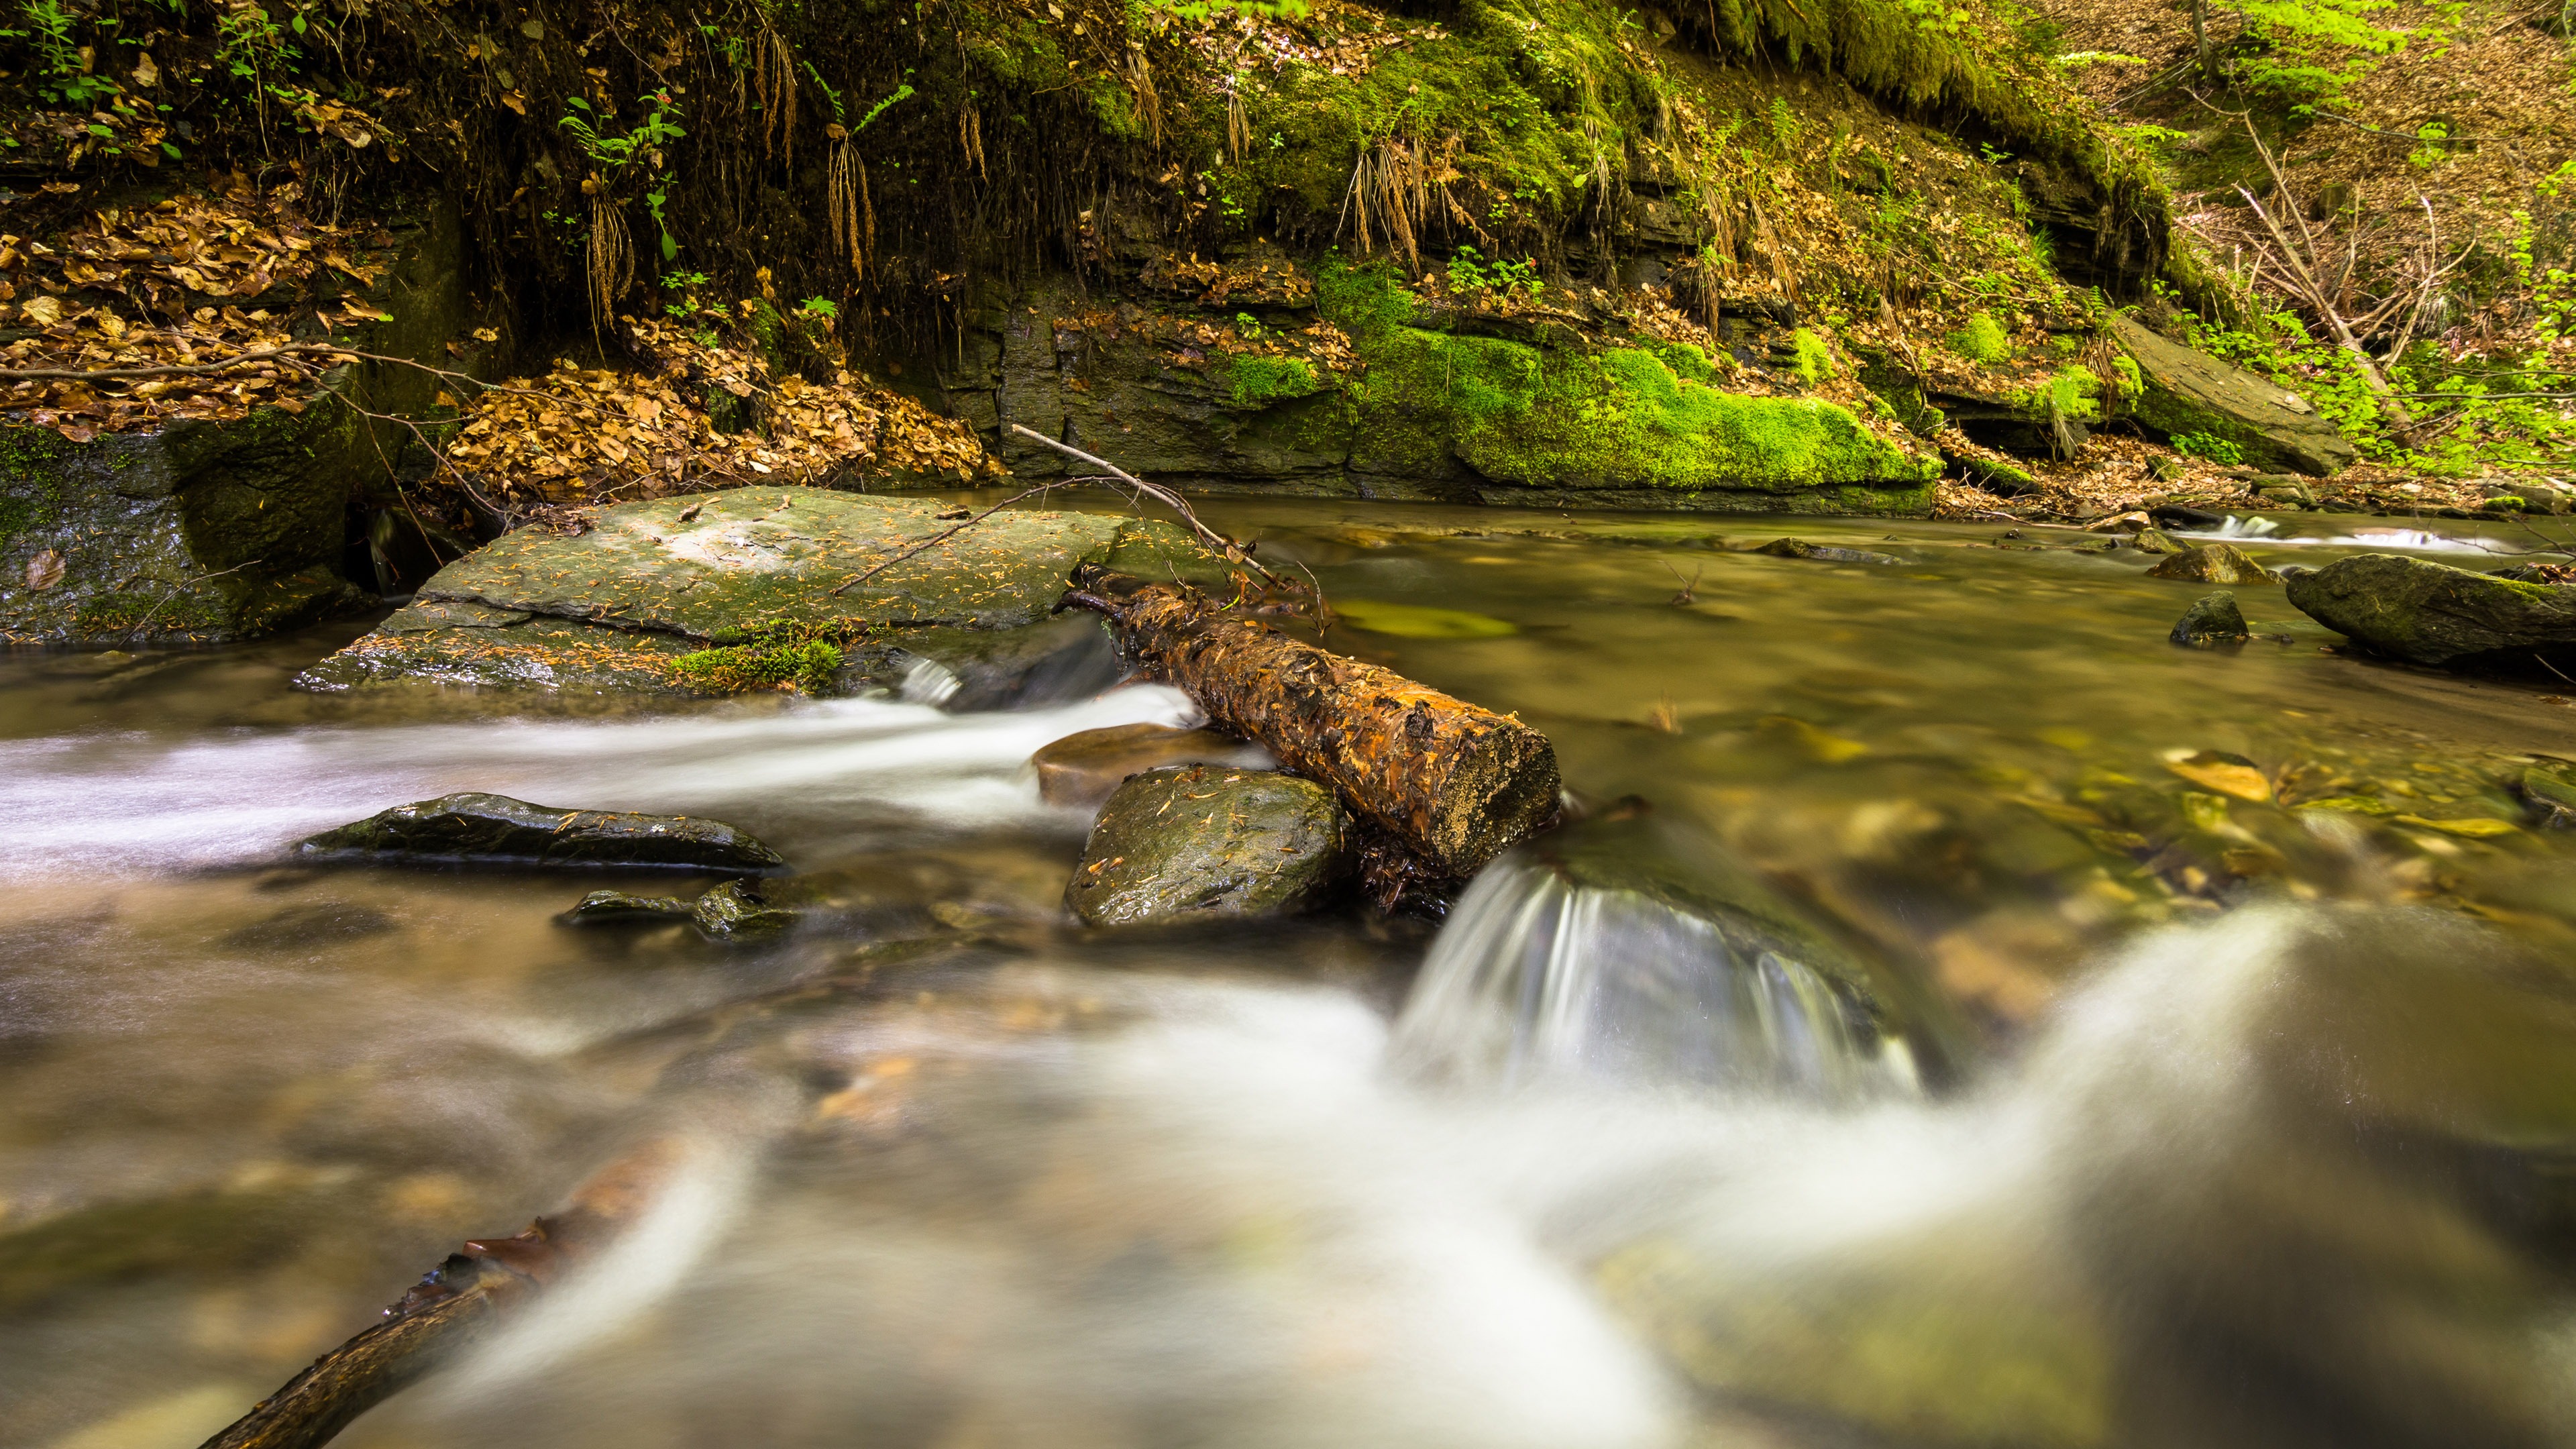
column 45, row 570
column 2227, row 774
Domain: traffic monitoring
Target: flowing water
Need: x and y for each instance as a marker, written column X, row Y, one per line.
column 1953, row 1020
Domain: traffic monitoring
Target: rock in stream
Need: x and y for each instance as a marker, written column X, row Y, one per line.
column 475, row 826
column 1196, row 841
column 2430, row 613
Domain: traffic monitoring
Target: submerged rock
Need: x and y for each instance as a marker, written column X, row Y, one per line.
column 2183, row 392
column 736, row 911
column 2212, row 619
column 1826, row 552
column 318, row 923
column 601, row 908
column 2550, row 791
column 1087, row 768
column 2432, row 613
column 475, row 826
column 1635, row 947
column 1196, row 841
column 2213, row 563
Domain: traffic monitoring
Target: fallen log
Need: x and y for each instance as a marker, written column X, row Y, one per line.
column 1453, row 782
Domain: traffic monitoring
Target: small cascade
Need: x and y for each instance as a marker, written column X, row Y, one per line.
column 1557, row 962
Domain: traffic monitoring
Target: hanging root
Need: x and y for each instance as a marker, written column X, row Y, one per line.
column 844, row 187
column 1238, row 126
column 970, row 138
column 773, row 80
column 612, row 264
column 1140, row 84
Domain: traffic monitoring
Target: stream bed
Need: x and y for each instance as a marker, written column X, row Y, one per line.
column 2230, row 1097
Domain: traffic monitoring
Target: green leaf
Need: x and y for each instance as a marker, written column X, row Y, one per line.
column 298, row 22
column 98, row 130
column 173, row 150
column 670, row 248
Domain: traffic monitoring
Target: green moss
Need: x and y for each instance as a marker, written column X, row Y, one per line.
column 2125, row 376
column 1255, row 381
column 2072, row 393
column 31, row 494
column 786, row 659
column 1688, row 362
column 1815, row 360
column 1982, row 340
column 1619, row 417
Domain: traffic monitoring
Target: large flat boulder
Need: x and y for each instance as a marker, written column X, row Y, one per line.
column 2430, row 613
column 2183, row 391
column 692, row 595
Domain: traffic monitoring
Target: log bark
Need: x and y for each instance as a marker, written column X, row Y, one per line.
column 1454, row 782
column 457, row 1304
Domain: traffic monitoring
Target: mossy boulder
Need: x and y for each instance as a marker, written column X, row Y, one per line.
column 474, row 826
column 2213, row 563
column 2211, row 619
column 2181, row 392
column 2430, row 613
column 1195, row 842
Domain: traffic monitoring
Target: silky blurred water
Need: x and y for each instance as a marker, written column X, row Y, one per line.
column 2057, row 1096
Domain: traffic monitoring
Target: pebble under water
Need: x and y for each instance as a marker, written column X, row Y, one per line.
column 1961, row 1018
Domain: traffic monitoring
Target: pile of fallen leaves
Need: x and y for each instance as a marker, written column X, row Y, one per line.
column 578, row 436
column 189, row 282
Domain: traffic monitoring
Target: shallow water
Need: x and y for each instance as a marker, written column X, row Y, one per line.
column 2185, row 1118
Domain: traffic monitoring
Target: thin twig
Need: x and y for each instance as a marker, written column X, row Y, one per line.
column 137, row 631
column 1224, row 546
column 947, row 534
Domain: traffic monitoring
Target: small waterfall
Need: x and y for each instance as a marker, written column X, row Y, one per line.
column 1578, row 958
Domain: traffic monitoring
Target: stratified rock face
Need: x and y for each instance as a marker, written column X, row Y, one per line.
column 2432, row 613
column 204, row 532
column 1199, row 841
column 474, row 826
column 2188, row 392
column 1422, row 404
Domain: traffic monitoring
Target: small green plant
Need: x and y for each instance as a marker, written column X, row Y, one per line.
column 1785, row 126
column 783, row 661
column 2430, row 152
column 1468, row 272
column 823, row 307
column 1982, row 339
column 65, row 75
column 1247, row 326
column 2210, row 446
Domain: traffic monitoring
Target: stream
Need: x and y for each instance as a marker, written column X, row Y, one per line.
column 2199, row 1114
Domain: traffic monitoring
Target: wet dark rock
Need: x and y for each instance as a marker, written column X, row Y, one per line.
column 2156, row 540
column 2213, row 563
column 2175, row 515
column 602, row 908
column 2188, row 392
column 1193, row 842
column 735, row 911
column 1825, row 552
column 2212, row 619
column 317, row 923
column 961, row 670
column 476, row 826
column 1087, row 768
column 2431, row 613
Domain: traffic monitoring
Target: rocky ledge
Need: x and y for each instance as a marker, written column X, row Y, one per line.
column 2430, row 613
column 804, row 588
